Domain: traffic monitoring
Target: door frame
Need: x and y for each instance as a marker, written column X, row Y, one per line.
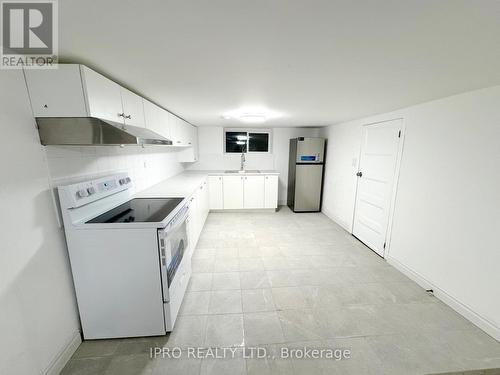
column 397, row 169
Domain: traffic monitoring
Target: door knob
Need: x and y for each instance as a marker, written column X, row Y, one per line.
column 359, row 174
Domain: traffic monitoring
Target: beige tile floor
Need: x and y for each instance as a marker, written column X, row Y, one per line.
column 276, row 280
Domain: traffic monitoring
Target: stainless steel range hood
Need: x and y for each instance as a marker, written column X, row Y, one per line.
column 87, row 131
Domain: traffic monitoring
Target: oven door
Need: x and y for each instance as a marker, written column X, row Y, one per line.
column 173, row 246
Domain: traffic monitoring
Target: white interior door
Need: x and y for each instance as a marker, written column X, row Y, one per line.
column 376, row 176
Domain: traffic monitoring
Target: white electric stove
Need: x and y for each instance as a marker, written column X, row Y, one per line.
column 127, row 257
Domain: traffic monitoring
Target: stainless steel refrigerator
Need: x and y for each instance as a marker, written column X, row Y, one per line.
column 305, row 174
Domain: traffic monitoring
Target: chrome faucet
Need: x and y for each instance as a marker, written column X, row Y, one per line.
column 242, row 164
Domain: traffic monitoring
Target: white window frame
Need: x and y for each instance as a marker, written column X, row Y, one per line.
column 249, row 130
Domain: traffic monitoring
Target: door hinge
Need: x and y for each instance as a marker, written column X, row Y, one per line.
column 399, row 134
column 384, row 245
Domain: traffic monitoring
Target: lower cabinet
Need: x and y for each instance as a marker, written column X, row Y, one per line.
column 198, row 211
column 192, row 224
column 233, row 192
column 216, row 193
column 271, row 192
column 243, row 192
column 253, row 192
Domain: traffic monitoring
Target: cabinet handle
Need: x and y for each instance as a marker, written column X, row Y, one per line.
column 121, row 114
column 189, row 143
column 128, row 116
column 178, row 141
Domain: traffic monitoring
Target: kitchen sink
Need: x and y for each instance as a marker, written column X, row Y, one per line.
column 243, row 172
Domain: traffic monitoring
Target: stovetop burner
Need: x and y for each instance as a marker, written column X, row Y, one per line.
column 139, row 210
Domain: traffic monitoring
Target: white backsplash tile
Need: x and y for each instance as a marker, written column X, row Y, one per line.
column 146, row 166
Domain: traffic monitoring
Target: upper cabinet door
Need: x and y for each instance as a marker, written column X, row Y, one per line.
column 103, row 96
column 133, row 108
column 192, row 133
column 177, row 131
column 157, row 119
column 189, row 154
column 56, row 92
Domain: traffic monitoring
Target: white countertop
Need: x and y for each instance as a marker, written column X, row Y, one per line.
column 185, row 183
column 262, row 172
column 181, row 185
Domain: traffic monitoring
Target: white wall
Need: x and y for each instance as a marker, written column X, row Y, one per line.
column 212, row 157
column 447, row 212
column 38, row 316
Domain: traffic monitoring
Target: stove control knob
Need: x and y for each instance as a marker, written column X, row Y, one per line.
column 82, row 193
column 121, row 181
column 127, row 180
column 91, row 190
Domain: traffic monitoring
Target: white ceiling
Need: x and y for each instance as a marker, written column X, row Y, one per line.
column 317, row 62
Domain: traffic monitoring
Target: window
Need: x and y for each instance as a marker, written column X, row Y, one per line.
column 236, row 142
column 258, row 142
column 246, row 141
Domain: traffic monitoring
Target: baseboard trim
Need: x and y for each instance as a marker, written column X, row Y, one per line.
column 245, row 210
column 58, row 363
column 484, row 324
column 332, row 217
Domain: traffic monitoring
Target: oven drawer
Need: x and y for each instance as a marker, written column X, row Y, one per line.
column 176, row 291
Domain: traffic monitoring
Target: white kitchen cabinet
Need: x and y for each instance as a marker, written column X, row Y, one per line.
column 74, row 90
column 243, row 192
column 216, row 194
column 183, row 133
column 179, row 137
column 103, row 96
column 204, row 199
column 190, row 153
column 56, row 92
column 198, row 211
column 133, row 108
column 271, row 192
column 192, row 223
column 253, row 192
column 233, row 192
column 156, row 119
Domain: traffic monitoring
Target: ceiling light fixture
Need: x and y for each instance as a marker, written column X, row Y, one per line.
column 253, row 118
column 251, row 115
